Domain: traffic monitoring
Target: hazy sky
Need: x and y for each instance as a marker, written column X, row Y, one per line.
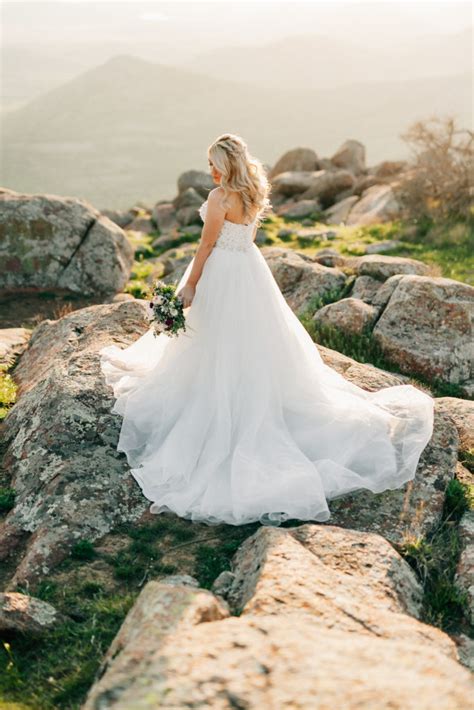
column 181, row 26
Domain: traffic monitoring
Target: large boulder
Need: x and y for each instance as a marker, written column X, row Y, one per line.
column 348, row 315
column 426, row 327
column 298, row 210
column 323, row 185
column 164, row 216
column 21, row 613
column 323, row 616
column 339, row 211
column 298, row 159
column 350, row 155
column 199, row 180
column 364, row 375
column 383, row 267
column 327, row 185
column 294, row 182
column 365, row 287
column 55, row 243
column 377, row 204
column 69, row 479
column 300, row 279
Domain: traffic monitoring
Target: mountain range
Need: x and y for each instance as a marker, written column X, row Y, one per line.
column 124, row 130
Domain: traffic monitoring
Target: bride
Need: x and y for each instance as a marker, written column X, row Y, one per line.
column 238, row 419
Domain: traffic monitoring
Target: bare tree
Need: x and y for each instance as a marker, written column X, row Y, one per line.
column 439, row 180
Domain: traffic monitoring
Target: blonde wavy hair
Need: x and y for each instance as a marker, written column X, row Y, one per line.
column 241, row 172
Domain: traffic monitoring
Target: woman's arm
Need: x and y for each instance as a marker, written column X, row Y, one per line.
column 212, row 226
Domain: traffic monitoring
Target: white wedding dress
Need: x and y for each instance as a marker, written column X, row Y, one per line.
column 239, row 419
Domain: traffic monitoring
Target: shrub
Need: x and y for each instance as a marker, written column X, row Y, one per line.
column 437, row 184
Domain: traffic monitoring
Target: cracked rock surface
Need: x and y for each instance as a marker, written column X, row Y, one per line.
column 55, row 243
column 60, row 440
column 327, row 619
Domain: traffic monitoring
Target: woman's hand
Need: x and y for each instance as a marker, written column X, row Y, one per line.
column 186, row 294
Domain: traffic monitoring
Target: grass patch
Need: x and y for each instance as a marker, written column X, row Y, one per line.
column 435, row 558
column 467, row 459
column 449, row 248
column 211, row 560
column 83, row 550
column 7, row 391
column 58, row 670
column 7, row 499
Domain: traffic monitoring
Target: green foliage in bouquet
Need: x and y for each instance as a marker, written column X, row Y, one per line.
column 166, row 310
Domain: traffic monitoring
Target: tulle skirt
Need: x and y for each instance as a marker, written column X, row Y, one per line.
column 239, row 420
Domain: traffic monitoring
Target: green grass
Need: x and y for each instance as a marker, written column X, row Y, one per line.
column 7, row 391
column 435, row 558
column 7, row 499
column 83, row 550
column 211, row 560
column 448, row 248
column 56, row 670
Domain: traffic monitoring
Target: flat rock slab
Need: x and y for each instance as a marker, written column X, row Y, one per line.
column 61, row 437
column 179, row 648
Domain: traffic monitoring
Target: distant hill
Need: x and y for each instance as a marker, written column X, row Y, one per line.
column 306, row 61
column 127, row 128
column 317, row 61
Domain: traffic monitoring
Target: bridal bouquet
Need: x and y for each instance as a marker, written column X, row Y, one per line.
column 166, row 310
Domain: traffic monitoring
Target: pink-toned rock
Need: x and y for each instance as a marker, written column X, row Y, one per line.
column 295, row 160
column 377, row 204
column 13, row 342
column 350, row 155
column 462, row 413
column 383, row 267
column 27, row 615
column 349, row 315
column 339, row 211
column 426, row 328
column 300, row 279
column 322, row 613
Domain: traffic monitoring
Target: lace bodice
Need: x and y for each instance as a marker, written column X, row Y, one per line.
column 233, row 236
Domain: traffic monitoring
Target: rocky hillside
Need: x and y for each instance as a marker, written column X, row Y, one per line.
column 102, row 602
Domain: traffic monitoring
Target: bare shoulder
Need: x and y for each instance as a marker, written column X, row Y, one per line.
column 216, row 195
column 215, row 201
column 227, row 201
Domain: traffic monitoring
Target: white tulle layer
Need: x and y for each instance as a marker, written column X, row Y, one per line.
column 239, row 419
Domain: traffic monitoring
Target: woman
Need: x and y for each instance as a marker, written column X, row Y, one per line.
column 238, row 419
